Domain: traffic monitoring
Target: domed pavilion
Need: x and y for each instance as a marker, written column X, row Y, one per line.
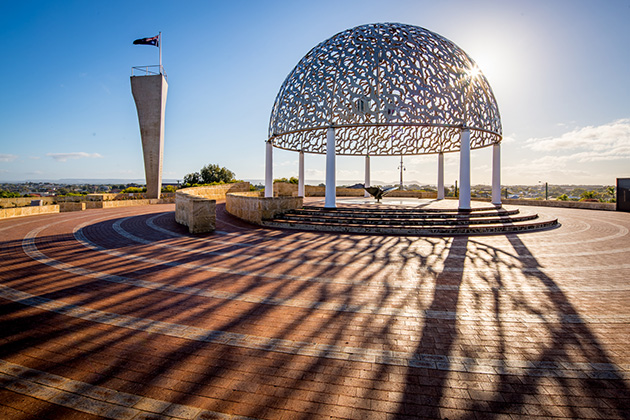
column 386, row 89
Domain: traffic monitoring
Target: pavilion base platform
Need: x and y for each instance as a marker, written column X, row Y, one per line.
column 410, row 217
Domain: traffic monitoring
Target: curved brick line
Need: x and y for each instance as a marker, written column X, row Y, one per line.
column 30, row 248
column 94, row 399
column 622, row 231
column 118, row 228
column 403, row 285
column 330, row 351
column 151, row 224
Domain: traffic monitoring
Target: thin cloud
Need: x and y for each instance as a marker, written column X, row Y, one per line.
column 7, row 158
column 62, row 157
column 610, row 140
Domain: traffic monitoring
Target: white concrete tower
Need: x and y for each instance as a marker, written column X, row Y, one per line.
column 149, row 93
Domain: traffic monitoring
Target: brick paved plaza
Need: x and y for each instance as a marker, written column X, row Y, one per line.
column 122, row 314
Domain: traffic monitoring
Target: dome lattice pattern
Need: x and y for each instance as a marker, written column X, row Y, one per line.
column 388, row 89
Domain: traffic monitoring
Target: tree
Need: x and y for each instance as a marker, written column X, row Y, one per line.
column 587, row 195
column 563, row 197
column 292, row 180
column 213, row 173
column 192, row 179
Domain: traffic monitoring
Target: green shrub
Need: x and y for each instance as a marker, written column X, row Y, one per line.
column 134, row 190
column 8, row 194
column 169, row 189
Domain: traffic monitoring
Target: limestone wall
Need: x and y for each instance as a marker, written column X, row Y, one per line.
column 167, row 197
column 286, row 189
column 216, row 192
column 254, row 208
column 196, row 212
column 554, row 203
column 71, row 206
column 28, row 211
column 24, row 201
column 195, row 207
column 413, row 194
column 125, row 203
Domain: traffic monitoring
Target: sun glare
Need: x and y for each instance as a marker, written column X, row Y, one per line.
column 473, row 72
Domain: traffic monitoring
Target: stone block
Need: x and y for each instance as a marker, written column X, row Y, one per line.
column 72, row 206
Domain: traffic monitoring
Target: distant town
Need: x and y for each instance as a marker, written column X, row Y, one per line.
column 541, row 191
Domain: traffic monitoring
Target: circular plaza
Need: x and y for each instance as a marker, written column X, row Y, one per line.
column 122, row 314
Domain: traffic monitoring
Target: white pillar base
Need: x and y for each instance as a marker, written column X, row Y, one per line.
column 331, row 176
column 496, row 174
column 301, row 175
column 367, row 176
column 464, row 170
column 269, row 170
column 440, row 177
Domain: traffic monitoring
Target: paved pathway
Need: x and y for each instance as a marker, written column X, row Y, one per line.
column 122, row 314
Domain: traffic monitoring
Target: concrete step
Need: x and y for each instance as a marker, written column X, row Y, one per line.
column 410, row 221
column 407, row 221
column 400, row 214
column 443, row 230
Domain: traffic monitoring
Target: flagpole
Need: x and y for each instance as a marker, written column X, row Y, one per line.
column 160, row 45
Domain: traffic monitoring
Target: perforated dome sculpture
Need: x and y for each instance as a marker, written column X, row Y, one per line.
column 385, row 89
column 388, row 89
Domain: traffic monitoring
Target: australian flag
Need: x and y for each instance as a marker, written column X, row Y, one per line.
column 148, row 41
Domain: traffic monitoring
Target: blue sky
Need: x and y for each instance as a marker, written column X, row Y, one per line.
column 559, row 69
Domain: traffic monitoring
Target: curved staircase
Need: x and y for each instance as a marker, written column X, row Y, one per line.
column 411, row 221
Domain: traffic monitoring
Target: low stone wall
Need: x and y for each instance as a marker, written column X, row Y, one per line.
column 28, row 211
column 7, row 203
column 73, row 203
column 196, row 212
column 554, row 203
column 254, row 208
column 72, row 206
column 413, row 194
column 286, row 189
column 167, row 197
column 124, row 203
column 195, row 207
column 215, row 192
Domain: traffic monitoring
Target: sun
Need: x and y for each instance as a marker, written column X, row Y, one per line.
column 473, row 72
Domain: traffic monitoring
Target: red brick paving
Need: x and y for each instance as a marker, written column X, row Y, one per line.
column 532, row 325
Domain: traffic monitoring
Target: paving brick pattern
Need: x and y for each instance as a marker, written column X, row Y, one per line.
column 121, row 314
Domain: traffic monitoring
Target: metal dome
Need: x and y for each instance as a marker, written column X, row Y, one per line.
column 387, row 89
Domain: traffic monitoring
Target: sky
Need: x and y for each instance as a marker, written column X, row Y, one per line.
column 560, row 71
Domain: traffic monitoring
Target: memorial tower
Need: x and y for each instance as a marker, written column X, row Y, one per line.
column 149, row 87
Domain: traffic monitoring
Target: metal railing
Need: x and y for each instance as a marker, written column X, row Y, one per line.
column 148, row 71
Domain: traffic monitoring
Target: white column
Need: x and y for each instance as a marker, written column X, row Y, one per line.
column 331, row 178
column 269, row 170
column 440, row 180
column 301, row 175
column 367, row 175
column 464, row 170
column 496, row 174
